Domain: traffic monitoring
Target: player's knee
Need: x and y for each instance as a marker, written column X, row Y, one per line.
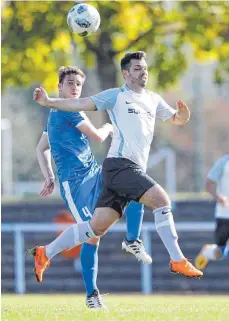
column 162, row 200
column 99, row 231
column 164, row 218
column 165, row 202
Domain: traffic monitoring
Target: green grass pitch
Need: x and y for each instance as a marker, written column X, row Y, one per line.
column 121, row 308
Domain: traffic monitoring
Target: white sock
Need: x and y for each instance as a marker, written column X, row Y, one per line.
column 165, row 227
column 210, row 252
column 74, row 235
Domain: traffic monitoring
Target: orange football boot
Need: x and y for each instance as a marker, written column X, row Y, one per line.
column 186, row 268
column 41, row 261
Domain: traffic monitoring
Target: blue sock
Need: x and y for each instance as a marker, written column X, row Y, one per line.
column 134, row 216
column 224, row 250
column 89, row 262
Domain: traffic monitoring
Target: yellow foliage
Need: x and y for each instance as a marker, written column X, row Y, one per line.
column 36, row 53
column 120, row 42
column 61, row 42
column 211, row 34
column 158, row 12
column 41, row 48
column 13, row 65
column 25, row 78
column 29, row 52
column 50, row 17
column 50, row 66
column 43, row 7
column 27, row 24
column 204, row 56
column 4, row 58
column 51, row 81
column 7, row 12
column 134, row 20
column 224, row 50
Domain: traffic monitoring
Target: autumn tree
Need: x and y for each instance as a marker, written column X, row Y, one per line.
column 36, row 39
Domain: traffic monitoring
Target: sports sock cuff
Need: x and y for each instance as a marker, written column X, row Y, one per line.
column 163, row 210
column 82, row 232
column 92, row 234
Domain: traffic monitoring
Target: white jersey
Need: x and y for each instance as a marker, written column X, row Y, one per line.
column 220, row 175
column 133, row 118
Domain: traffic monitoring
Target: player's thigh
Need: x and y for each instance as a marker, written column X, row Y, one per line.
column 155, row 197
column 109, row 208
column 222, row 232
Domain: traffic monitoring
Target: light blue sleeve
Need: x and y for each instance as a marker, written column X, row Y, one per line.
column 105, row 100
column 164, row 111
column 217, row 169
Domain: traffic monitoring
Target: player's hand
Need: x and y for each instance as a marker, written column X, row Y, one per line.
column 183, row 111
column 110, row 128
column 40, row 96
column 223, row 200
column 48, row 187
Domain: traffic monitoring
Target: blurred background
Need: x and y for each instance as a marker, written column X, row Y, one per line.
column 187, row 45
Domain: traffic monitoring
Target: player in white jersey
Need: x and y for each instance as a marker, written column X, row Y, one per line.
column 132, row 110
column 217, row 185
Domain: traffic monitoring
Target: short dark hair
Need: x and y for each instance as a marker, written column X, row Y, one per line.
column 69, row 70
column 126, row 60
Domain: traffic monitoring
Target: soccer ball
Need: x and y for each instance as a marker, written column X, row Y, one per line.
column 83, row 19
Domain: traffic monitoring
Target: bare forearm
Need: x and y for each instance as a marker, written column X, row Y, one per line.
column 44, row 160
column 71, row 104
column 104, row 132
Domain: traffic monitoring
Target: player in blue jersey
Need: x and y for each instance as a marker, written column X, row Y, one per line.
column 132, row 110
column 217, row 184
column 66, row 139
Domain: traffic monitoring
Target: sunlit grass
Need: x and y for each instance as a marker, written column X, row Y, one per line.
column 121, row 308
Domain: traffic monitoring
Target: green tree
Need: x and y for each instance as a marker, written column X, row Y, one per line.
column 36, row 39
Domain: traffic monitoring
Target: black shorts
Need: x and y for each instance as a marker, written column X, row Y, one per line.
column 222, row 231
column 123, row 181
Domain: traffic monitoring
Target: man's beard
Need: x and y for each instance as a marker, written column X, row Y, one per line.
column 142, row 83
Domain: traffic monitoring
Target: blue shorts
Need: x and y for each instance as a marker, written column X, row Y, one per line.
column 81, row 196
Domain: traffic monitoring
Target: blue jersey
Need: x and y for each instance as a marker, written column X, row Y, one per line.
column 69, row 146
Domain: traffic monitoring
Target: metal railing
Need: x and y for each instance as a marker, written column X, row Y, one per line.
column 146, row 270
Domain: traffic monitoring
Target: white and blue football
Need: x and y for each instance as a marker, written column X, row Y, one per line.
column 83, row 19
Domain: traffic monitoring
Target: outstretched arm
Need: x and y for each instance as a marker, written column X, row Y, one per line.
column 68, row 104
column 182, row 116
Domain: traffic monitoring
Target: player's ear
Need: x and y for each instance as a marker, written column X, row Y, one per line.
column 60, row 87
column 124, row 73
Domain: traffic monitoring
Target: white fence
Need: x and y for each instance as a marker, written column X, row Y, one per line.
column 146, row 270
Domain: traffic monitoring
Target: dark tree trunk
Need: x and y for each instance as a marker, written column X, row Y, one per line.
column 107, row 72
